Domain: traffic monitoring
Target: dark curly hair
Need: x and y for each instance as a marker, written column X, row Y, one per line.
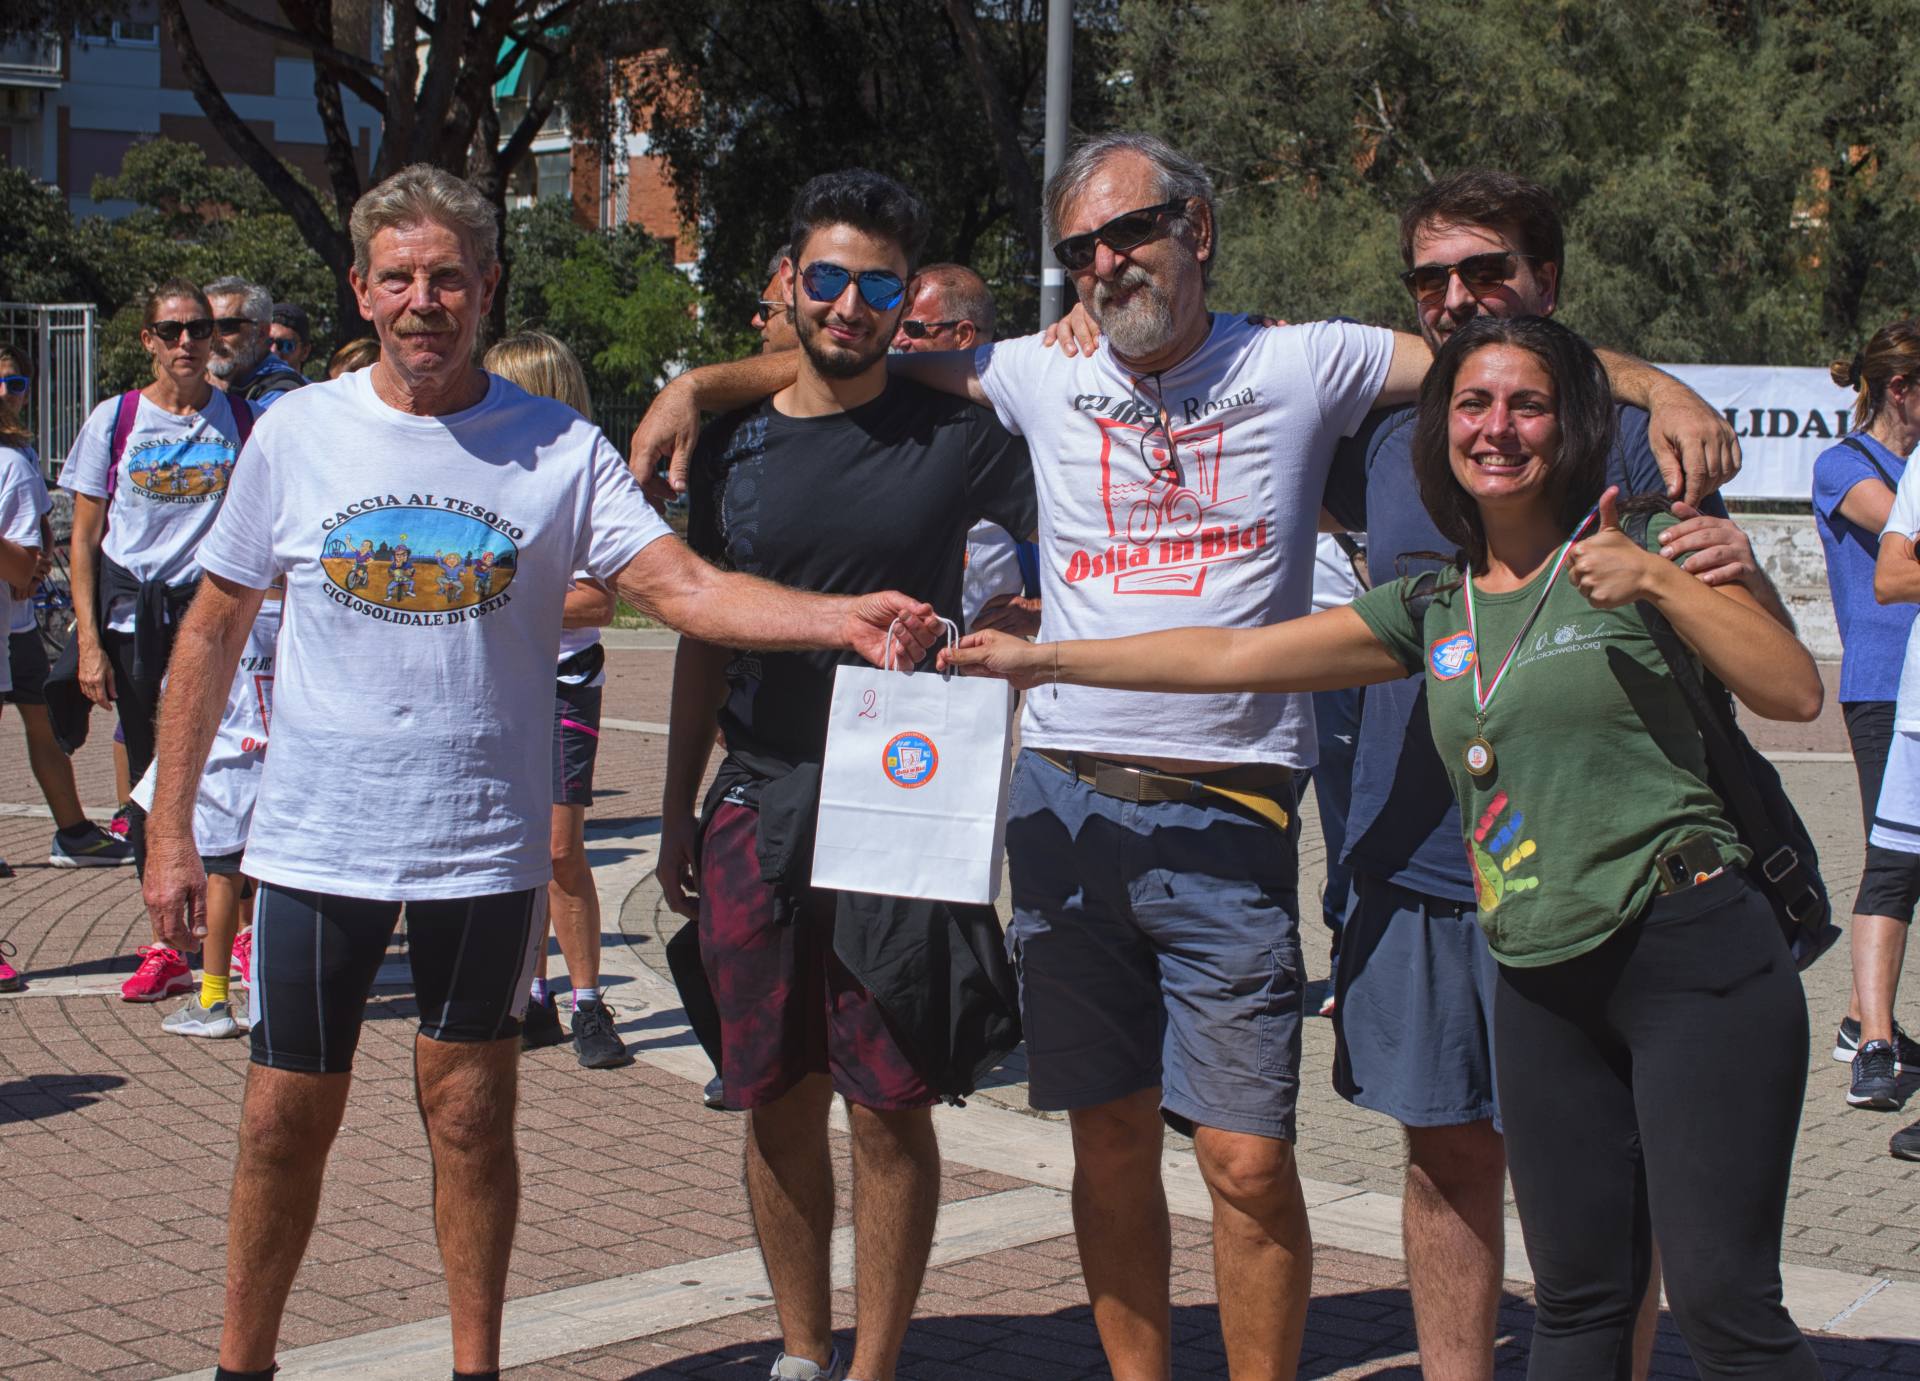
column 867, row 201
column 1576, row 474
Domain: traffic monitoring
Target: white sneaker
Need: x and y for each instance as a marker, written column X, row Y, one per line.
column 210, row 1023
column 787, row 1368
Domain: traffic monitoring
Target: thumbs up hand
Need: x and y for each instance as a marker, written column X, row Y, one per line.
column 1609, row 567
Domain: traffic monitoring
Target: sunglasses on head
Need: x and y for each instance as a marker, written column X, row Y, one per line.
column 879, row 289
column 1478, row 273
column 14, row 383
column 920, row 330
column 227, row 325
column 200, row 328
column 1129, row 230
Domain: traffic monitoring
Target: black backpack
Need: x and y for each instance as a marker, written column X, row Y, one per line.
column 1785, row 867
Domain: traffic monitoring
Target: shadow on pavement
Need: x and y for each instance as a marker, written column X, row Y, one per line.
column 48, row 1095
column 1345, row 1332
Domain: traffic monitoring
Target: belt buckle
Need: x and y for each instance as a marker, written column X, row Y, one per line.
column 1121, row 783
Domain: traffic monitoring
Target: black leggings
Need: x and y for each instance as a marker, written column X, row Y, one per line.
column 138, row 704
column 1652, row 1088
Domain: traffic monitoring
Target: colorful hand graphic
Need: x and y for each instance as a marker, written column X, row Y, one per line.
column 1495, row 858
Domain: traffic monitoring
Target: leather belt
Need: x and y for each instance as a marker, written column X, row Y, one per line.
column 1250, row 786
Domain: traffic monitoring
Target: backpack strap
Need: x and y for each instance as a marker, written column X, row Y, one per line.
column 242, row 423
column 1872, row 460
column 123, row 419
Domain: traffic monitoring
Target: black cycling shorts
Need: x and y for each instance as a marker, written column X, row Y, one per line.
column 315, row 957
column 1890, row 881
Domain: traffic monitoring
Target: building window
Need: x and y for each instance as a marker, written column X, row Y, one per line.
column 553, row 174
column 140, row 28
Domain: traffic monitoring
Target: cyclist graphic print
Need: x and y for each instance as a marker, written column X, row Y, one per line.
column 415, row 559
column 172, row 471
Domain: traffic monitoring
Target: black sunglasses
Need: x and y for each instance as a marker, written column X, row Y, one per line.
column 200, row 328
column 283, row 346
column 879, row 289
column 227, row 325
column 920, row 330
column 15, row 383
column 1479, row 273
column 1128, row 230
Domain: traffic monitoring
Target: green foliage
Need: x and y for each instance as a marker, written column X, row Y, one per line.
column 1740, row 182
column 614, row 298
column 791, row 88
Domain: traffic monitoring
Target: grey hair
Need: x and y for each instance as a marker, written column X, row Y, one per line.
column 421, row 193
column 780, row 257
column 964, row 295
column 1179, row 176
column 257, row 306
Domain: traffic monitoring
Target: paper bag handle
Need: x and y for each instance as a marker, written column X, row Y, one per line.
column 953, row 637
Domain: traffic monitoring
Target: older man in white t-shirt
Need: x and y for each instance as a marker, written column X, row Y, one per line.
column 1180, row 467
column 403, row 770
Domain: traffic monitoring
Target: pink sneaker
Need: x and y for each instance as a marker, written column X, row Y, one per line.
column 10, row 979
column 117, row 827
column 243, row 955
column 163, row 973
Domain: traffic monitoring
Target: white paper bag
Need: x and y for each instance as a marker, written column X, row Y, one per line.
column 913, row 791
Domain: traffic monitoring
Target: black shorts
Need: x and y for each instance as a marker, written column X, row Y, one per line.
column 315, row 957
column 1890, row 881
column 27, row 658
column 576, row 742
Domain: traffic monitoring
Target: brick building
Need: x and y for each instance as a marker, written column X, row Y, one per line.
column 72, row 104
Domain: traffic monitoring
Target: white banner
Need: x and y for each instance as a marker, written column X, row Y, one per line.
column 1784, row 417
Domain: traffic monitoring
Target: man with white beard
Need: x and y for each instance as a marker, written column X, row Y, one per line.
column 1152, row 839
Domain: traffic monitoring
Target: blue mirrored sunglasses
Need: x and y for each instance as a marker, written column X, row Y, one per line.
column 15, row 383
column 879, row 289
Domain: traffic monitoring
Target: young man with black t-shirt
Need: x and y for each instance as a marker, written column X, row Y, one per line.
column 844, row 481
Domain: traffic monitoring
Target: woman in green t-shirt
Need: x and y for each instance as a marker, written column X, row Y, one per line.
column 1634, row 956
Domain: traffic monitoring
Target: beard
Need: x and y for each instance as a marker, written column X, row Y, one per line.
column 1447, row 322
column 1140, row 326
column 238, row 363
column 833, row 361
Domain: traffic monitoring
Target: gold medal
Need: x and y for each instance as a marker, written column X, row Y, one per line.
column 1479, row 756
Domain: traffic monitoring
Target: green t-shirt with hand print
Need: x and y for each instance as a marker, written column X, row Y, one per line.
column 1598, row 765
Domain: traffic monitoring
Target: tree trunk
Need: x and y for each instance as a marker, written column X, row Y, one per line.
column 1023, row 190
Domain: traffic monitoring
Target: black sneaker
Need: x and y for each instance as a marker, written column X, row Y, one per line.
column 540, row 1027
column 594, row 1039
column 1906, row 1143
column 1875, row 1083
column 1906, row 1050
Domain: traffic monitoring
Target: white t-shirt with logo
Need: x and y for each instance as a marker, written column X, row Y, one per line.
column 230, row 782
column 412, row 699
column 1904, row 518
column 23, row 498
column 166, row 490
column 1130, row 544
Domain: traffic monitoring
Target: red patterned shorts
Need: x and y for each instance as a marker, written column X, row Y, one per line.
column 788, row 1006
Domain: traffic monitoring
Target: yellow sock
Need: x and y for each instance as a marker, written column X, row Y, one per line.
column 213, row 988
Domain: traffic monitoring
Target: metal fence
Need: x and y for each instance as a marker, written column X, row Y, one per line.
column 62, row 341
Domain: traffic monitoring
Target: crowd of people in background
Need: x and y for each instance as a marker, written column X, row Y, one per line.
column 1464, row 578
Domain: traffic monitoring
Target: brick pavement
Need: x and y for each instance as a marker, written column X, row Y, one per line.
column 115, row 1143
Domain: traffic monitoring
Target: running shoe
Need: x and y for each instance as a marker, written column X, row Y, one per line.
column 1875, row 1083
column 95, row 849
column 209, row 1023
column 1906, row 1143
column 1327, row 999
column 243, row 956
column 162, row 974
column 594, row 1040
column 5, row 871
column 117, row 827
column 787, row 1368
column 714, row 1095
column 10, row 979
column 1906, row 1050
column 540, row 1027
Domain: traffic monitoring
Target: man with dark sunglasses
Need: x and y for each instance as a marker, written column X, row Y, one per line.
column 1181, row 465
column 241, row 362
column 1414, row 988
column 774, row 319
column 842, row 481
column 290, row 335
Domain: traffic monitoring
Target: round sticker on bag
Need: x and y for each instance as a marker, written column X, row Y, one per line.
column 910, row 760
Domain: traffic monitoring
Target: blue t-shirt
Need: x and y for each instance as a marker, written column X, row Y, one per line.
column 1403, row 825
column 1873, row 636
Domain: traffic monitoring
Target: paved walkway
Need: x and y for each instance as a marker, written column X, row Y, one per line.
column 635, row 1255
